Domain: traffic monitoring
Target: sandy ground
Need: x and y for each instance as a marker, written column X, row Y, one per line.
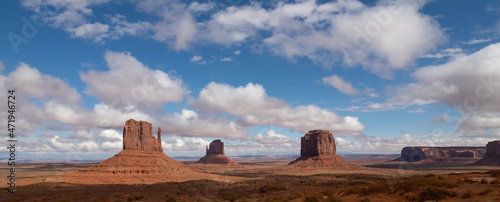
column 374, row 180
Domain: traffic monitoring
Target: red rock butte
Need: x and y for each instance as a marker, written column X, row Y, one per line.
column 138, row 135
column 215, row 155
column 318, row 150
column 142, row 154
column 492, row 157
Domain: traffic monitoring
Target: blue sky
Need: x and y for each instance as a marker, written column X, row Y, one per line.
column 380, row 75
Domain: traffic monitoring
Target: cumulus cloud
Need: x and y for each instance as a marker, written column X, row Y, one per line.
column 130, row 83
column 252, row 106
column 468, row 83
column 271, row 137
column 191, row 124
column 227, row 59
column 375, row 37
column 348, row 31
column 32, row 83
column 95, row 31
column 184, row 145
column 195, row 58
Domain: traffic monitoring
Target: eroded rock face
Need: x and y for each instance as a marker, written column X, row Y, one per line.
column 318, row 150
column 215, row 155
column 317, row 142
column 138, row 135
column 216, row 147
column 492, row 157
column 493, row 148
column 413, row 154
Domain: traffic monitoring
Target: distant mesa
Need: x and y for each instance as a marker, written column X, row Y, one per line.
column 142, row 154
column 440, row 154
column 492, row 157
column 215, row 155
column 318, row 150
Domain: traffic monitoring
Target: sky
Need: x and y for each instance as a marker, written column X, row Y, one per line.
column 379, row 75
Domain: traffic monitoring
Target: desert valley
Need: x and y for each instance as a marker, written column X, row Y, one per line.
column 142, row 172
column 250, row 100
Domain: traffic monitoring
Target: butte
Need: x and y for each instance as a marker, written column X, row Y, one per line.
column 318, row 150
column 141, row 161
column 215, row 157
column 492, row 157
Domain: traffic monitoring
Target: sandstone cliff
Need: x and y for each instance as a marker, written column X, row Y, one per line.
column 142, row 155
column 318, row 150
column 215, row 155
column 492, row 157
column 413, row 154
column 138, row 135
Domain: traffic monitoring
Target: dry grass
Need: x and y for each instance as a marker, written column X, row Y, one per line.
column 401, row 185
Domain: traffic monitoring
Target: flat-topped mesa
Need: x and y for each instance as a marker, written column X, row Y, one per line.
column 413, row 154
column 318, row 150
column 317, row 142
column 215, row 147
column 492, row 157
column 138, row 135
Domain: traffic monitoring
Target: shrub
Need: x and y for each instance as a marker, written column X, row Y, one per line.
column 486, row 191
column 411, row 197
column 432, row 193
column 138, row 197
column 311, row 199
column 366, row 199
column 171, row 199
column 130, row 198
column 229, row 198
column 467, row 194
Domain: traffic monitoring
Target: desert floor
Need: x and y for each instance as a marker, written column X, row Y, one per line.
column 375, row 180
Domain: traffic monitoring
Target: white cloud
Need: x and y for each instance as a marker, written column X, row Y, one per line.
column 30, row 82
column 175, row 145
column 128, row 83
column 195, row 58
column 375, row 37
column 341, row 85
column 96, row 31
column 252, row 106
column 237, row 52
column 476, row 41
column 346, row 87
column 271, row 137
column 201, row 7
column 184, row 32
column 468, row 83
column 449, row 52
column 370, row 144
column 226, row 59
column 191, row 124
